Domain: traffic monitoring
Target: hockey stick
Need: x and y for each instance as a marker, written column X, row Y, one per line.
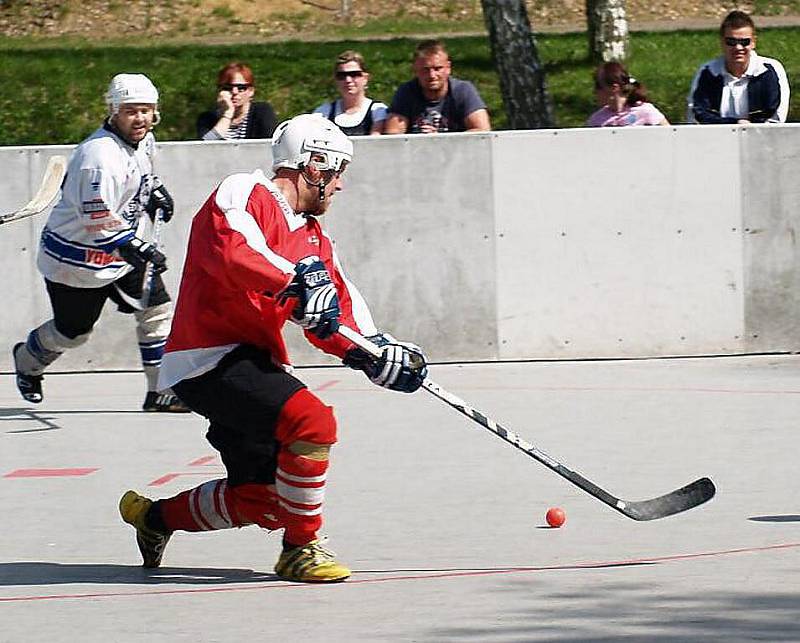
column 150, row 269
column 692, row 495
column 48, row 190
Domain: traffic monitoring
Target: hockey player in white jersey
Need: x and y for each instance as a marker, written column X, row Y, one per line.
column 94, row 246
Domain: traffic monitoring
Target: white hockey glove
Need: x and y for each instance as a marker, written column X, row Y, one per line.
column 317, row 308
column 402, row 366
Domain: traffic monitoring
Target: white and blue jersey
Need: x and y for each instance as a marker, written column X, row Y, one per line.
column 107, row 185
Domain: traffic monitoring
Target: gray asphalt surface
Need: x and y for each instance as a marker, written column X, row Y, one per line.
column 442, row 522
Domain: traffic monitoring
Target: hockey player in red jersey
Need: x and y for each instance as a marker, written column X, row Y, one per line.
column 257, row 258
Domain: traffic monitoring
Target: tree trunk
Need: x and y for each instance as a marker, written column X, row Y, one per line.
column 522, row 77
column 607, row 30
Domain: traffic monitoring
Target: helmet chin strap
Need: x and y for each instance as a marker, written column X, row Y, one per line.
column 320, row 185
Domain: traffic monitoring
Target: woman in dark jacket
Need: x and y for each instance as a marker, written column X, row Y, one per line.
column 236, row 116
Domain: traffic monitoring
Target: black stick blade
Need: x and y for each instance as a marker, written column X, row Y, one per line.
column 692, row 495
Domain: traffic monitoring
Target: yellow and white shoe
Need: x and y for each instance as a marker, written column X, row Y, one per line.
column 310, row 563
column 133, row 508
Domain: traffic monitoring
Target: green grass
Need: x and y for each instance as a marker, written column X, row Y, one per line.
column 223, row 11
column 399, row 25
column 772, row 8
column 54, row 94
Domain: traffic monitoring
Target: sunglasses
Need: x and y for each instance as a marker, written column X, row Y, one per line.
column 341, row 75
column 732, row 42
column 240, row 86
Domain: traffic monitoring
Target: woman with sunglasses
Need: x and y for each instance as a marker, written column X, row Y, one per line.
column 354, row 113
column 236, row 115
column 622, row 99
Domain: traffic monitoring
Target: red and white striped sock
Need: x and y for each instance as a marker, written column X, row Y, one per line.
column 300, row 483
column 214, row 505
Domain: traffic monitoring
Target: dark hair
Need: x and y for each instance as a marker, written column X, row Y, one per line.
column 350, row 56
column 614, row 73
column 429, row 48
column 226, row 74
column 736, row 20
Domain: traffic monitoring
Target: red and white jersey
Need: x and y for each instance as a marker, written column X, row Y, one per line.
column 243, row 247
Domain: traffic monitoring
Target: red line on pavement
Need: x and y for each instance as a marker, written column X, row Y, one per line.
column 169, row 477
column 50, row 473
column 433, row 574
column 206, row 459
column 326, row 385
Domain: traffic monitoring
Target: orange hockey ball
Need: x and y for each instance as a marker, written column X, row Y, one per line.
column 555, row 517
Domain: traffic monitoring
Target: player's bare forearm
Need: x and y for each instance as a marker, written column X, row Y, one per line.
column 396, row 124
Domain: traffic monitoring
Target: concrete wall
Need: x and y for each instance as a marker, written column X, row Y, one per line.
column 623, row 247
column 770, row 198
column 511, row 245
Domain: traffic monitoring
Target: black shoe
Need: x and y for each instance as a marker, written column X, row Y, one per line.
column 164, row 403
column 30, row 386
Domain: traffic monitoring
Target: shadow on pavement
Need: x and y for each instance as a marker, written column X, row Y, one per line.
column 614, row 611
column 16, row 414
column 41, row 573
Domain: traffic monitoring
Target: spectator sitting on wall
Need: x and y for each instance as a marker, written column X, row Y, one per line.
column 740, row 86
column 623, row 100
column 236, row 115
column 434, row 101
column 354, row 113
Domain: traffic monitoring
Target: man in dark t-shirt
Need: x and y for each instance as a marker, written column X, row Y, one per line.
column 433, row 101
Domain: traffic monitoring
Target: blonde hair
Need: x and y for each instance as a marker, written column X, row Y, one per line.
column 350, row 56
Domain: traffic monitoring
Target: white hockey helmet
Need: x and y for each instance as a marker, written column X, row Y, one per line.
column 130, row 88
column 296, row 140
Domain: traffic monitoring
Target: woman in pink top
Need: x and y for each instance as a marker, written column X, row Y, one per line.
column 623, row 100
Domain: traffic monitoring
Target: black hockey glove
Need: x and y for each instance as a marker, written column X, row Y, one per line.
column 139, row 253
column 401, row 367
column 317, row 308
column 160, row 199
